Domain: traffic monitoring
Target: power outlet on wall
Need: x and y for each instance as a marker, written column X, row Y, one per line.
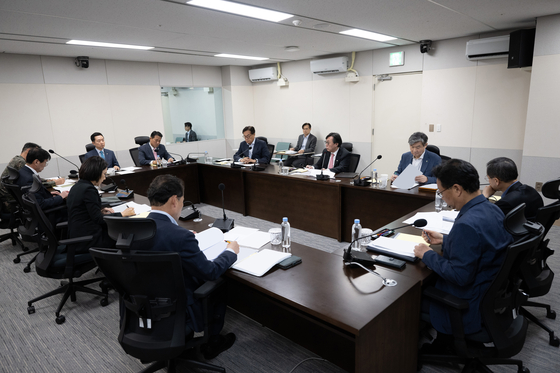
column 538, row 186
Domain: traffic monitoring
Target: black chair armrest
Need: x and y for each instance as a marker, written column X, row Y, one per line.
column 446, row 299
column 62, row 225
column 208, row 288
column 72, row 241
column 57, row 208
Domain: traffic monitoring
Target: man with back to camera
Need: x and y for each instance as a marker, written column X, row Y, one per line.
column 502, row 176
column 190, row 135
column 335, row 158
column 421, row 158
column 252, row 150
column 147, row 153
column 305, row 144
column 17, row 163
column 166, row 195
column 98, row 141
column 472, row 253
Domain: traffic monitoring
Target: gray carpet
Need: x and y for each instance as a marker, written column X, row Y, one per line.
column 87, row 341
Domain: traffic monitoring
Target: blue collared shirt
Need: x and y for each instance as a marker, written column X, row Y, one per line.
column 507, row 190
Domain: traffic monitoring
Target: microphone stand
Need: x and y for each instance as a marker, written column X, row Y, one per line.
column 363, row 183
column 224, row 224
column 189, row 159
column 182, row 161
column 73, row 173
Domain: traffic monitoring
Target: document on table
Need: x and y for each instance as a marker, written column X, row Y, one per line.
column 261, row 262
column 441, row 222
column 255, row 240
column 236, row 233
column 211, row 242
column 244, row 164
column 406, row 179
column 314, row 172
column 410, row 238
column 131, row 168
column 138, row 208
column 390, row 246
column 429, row 187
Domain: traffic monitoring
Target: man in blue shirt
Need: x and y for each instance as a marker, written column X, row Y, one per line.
column 502, row 176
column 474, row 250
column 98, row 140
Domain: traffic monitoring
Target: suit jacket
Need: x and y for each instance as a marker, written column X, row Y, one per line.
column 146, row 156
column 44, row 198
column 196, row 268
column 85, row 217
column 516, row 195
column 109, row 157
column 341, row 162
column 429, row 161
column 192, row 136
column 260, row 151
column 309, row 147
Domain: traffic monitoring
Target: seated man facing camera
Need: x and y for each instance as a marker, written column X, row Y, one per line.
column 166, row 195
column 420, row 158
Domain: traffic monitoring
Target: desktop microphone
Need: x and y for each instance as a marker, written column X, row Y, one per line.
column 233, row 165
column 124, row 194
column 182, row 161
column 366, row 259
column 224, row 224
column 322, row 177
column 195, row 214
column 108, row 187
column 189, row 159
column 73, row 173
column 363, row 183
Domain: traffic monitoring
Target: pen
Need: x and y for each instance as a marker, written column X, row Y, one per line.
column 428, row 237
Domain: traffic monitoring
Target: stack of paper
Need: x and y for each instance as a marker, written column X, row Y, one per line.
column 261, row 262
column 138, row 208
column 211, row 242
column 406, row 179
column 314, row 172
column 441, row 222
column 397, row 248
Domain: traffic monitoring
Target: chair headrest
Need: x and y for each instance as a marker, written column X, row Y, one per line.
column 89, row 147
column 141, row 140
column 13, row 174
column 551, row 190
column 37, row 184
column 135, row 234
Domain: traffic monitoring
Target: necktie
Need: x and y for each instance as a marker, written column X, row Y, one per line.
column 101, row 154
column 155, row 155
column 331, row 161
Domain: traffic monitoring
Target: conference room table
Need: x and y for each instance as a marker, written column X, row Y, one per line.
column 327, row 208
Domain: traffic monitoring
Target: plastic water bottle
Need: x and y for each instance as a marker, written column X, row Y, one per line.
column 159, row 161
column 374, row 178
column 286, row 237
column 356, row 232
column 280, row 164
column 438, row 202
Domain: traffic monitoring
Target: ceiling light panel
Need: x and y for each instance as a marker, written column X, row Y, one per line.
column 241, row 57
column 107, row 45
column 367, row 35
column 241, row 9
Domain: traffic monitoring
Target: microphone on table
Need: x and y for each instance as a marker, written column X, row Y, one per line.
column 73, row 173
column 233, row 165
column 224, row 224
column 200, row 154
column 124, row 194
column 363, row 183
column 108, row 187
column 365, row 258
column 182, row 161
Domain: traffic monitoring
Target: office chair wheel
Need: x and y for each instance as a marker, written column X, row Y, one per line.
column 104, row 302
column 554, row 341
column 25, row 248
column 524, row 370
column 31, row 310
column 27, row 269
column 60, row 319
column 17, row 260
column 551, row 314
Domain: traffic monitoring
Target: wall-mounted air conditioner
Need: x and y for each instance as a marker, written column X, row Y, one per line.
column 329, row 65
column 263, row 75
column 480, row 49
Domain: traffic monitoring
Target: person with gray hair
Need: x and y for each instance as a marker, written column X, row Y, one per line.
column 424, row 160
column 502, row 176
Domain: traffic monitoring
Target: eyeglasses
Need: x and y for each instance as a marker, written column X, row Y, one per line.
column 248, row 136
column 441, row 193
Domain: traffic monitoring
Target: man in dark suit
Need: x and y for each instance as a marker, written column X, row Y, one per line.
column 424, row 160
column 98, row 141
column 166, row 195
column 190, row 135
column 502, row 176
column 147, row 153
column 35, row 162
column 305, row 144
column 334, row 157
column 252, row 150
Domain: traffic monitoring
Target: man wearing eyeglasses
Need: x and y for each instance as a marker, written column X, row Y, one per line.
column 424, row 160
column 472, row 253
column 334, row 158
column 252, row 150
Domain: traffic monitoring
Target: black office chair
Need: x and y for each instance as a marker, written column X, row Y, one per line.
column 354, row 160
column 262, row 138
column 348, row 146
column 89, row 147
column 57, row 259
column 134, row 156
column 153, row 324
column 270, row 151
column 536, row 274
column 141, row 140
column 9, row 218
column 504, row 329
column 433, row 149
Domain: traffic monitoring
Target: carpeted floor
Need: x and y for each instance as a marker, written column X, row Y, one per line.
column 87, row 341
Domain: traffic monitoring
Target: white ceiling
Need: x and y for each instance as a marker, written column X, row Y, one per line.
column 190, row 35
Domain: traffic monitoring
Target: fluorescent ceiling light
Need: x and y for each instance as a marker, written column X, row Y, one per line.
column 243, row 10
column 241, row 57
column 367, row 35
column 107, row 45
